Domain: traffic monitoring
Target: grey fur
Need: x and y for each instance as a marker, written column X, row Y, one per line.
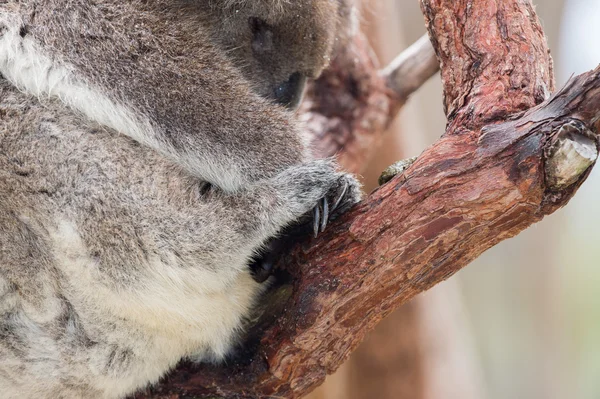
column 115, row 260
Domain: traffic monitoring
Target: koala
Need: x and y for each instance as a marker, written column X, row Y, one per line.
column 148, row 155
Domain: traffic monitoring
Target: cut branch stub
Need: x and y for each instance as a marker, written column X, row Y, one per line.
column 571, row 152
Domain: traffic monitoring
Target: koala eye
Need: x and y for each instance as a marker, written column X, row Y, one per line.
column 262, row 35
column 290, row 92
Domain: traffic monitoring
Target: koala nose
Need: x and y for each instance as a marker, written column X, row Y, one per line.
column 290, row 92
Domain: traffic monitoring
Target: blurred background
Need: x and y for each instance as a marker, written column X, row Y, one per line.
column 523, row 320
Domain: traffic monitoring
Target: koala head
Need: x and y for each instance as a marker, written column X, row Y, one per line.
column 279, row 44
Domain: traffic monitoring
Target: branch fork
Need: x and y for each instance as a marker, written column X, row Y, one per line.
column 511, row 154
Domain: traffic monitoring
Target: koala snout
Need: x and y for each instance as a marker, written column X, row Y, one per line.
column 290, row 92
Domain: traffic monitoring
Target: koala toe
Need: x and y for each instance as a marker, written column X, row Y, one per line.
column 342, row 196
column 345, row 194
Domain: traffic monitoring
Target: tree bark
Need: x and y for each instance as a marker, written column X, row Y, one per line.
column 422, row 350
column 510, row 155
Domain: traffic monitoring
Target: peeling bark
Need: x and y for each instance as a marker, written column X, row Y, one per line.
column 507, row 158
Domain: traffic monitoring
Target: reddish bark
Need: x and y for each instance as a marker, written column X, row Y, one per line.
column 484, row 181
column 349, row 107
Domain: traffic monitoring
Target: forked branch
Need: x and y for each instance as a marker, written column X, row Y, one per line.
column 510, row 155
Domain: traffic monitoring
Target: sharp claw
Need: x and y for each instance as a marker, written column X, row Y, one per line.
column 316, row 217
column 325, row 216
column 340, row 197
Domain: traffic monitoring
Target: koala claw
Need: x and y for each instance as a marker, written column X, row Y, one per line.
column 320, row 216
column 322, row 213
column 340, row 197
column 325, row 214
column 316, row 219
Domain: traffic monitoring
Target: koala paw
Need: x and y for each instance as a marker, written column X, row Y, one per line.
column 342, row 196
column 338, row 192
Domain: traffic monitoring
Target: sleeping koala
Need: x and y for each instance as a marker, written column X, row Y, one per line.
column 147, row 154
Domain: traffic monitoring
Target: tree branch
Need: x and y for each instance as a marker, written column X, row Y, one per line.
column 509, row 156
column 349, row 108
column 408, row 71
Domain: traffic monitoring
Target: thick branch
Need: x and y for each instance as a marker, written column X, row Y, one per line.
column 491, row 175
column 493, row 55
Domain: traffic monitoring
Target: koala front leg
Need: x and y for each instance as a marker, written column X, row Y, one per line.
column 334, row 191
column 313, row 189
